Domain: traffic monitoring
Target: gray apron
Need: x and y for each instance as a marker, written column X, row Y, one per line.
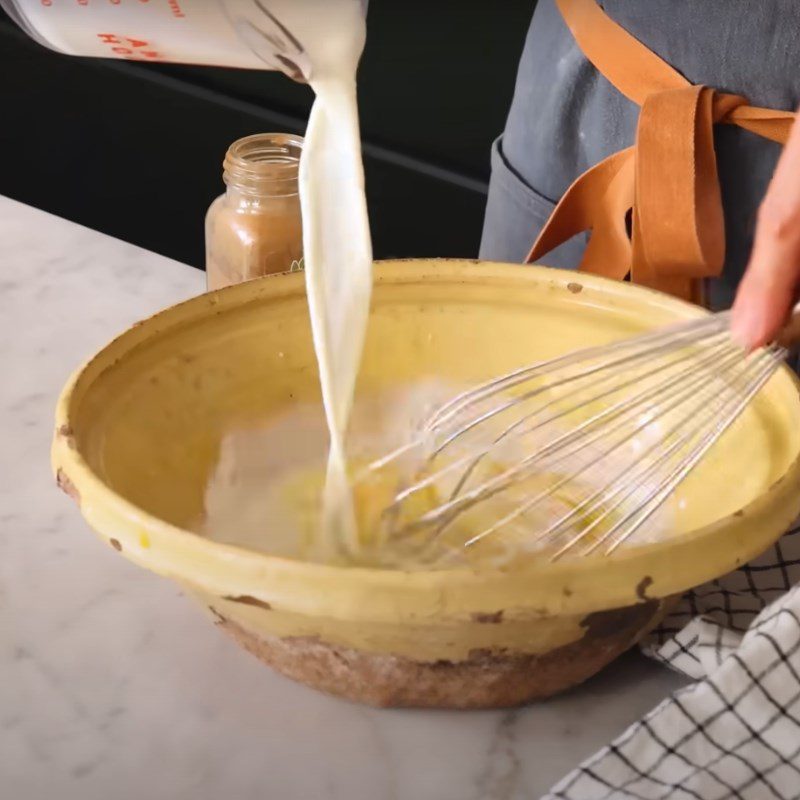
column 566, row 117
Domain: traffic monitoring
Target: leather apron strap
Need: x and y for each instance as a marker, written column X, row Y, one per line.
column 667, row 179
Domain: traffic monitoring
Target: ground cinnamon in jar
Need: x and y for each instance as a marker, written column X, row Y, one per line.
column 255, row 228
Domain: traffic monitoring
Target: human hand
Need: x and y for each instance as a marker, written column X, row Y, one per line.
column 770, row 284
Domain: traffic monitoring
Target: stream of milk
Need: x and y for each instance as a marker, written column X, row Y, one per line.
column 338, row 254
column 336, row 237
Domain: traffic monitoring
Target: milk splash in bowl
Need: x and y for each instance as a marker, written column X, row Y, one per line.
column 266, row 490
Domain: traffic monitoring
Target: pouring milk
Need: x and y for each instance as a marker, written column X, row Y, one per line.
column 336, row 239
column 317, row 41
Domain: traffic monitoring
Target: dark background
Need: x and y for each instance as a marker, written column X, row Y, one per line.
column 135, row 150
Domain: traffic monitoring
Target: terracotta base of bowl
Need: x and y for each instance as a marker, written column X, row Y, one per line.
column 487, row 679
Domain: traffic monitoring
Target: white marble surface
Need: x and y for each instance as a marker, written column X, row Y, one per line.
column 112, row 685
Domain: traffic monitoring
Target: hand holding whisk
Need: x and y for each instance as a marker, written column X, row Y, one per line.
column 576, row 455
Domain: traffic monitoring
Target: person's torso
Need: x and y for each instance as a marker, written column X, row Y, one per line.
column 566, row 117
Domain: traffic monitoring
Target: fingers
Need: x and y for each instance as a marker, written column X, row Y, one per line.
column 767, row 291
column 769, row 286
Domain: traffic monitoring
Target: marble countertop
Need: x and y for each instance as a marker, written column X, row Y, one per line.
column 112, row 685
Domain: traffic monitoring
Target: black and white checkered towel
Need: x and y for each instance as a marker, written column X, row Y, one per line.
column 735, row 733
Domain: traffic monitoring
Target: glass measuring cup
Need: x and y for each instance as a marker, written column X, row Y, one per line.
column 248, row 34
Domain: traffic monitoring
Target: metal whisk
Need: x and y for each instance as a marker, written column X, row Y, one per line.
column 577, row 454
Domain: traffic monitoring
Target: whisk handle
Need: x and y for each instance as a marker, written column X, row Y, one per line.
column 789, row 337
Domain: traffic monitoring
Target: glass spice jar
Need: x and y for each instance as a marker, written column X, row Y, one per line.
column 255, row 228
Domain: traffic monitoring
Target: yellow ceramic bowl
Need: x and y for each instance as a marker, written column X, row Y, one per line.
column 138, row 431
